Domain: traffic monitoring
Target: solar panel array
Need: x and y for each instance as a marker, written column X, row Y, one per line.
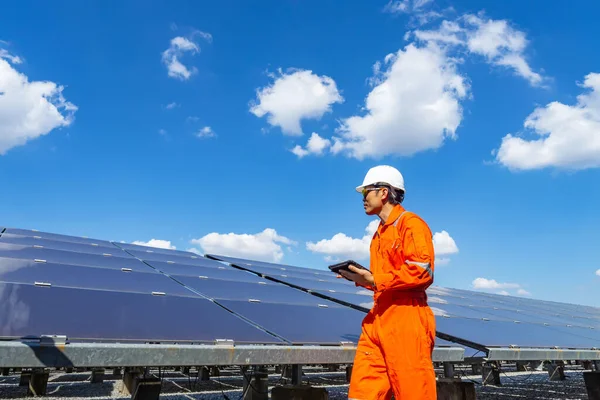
column 96, row 290
column 464, row 316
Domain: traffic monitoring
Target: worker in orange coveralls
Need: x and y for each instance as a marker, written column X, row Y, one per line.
column 398, row 334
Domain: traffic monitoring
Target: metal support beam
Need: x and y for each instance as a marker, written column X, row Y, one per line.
column 529, row 354
column 256, row 383
column 15, row 354
column 296, row 374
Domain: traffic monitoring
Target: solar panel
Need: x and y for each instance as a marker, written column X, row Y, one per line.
column 219, row 271
column 56, row 236
column 82, row 314
column 306, row 278
column 257, row 292
column 504, row 333
column 292, row 314
column 272, row 268
column 13, row 270
column 59, row 245
column 107, row 260
column 157, row 250
column 193, row 259
column 303, row 324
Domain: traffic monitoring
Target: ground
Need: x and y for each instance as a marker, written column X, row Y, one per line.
column 176, row 385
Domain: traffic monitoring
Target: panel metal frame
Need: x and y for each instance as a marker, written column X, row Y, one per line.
column 17, row 354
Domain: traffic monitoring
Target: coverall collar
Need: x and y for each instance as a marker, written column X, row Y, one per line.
column 394, row 214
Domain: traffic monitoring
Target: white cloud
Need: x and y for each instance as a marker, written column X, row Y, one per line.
column 495, row 40
column 161, row 244
column 171, row 106
column 444, row 245
column 294, row 96
column 28, row 109
column 499, row 287
column 263, row 246
column 180, row 45
column 206, row 132
column 568, row 136
column 598, row 272
column 316, row 145
column 414, row 106
column 405, row 6
column 344, row 246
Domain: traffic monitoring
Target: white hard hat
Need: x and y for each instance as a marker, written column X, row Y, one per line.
column 383, row 174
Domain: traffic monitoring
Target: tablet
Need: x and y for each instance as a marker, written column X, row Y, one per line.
column 344, row 266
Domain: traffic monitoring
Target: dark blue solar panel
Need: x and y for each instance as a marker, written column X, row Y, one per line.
column 68, row 257
column 270, row 268
column 30, row 311
column 14, row 270
column 56, row 236
column 157, row 250
column 175, row 258
column 249, row 291
column 303, row 324
column 60, row 245
column 502, row 333
column 222, row 272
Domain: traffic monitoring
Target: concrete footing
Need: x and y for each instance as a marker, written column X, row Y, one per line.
column 491, row 375
column 455, row 389
column 38, row 383
column 556, row 371
column 97, row 375
column 298, row 392
column 140, row 387
column 592, row 384
column 256, row 384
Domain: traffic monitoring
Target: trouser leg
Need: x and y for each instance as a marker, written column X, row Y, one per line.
column 369, row 379
column 407, row 336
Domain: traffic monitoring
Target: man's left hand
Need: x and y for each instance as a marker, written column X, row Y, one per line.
column 359, row 275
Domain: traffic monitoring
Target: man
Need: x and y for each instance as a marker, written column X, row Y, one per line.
column 398, row 334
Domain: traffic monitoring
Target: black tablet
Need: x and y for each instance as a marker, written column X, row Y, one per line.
column 344, row 266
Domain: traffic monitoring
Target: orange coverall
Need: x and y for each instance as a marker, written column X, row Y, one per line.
column 398, row 334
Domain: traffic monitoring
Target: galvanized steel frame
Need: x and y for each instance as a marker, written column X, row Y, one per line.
column 541, row 354
column 18, row 354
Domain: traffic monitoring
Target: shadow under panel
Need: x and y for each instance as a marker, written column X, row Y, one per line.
column 81, row 314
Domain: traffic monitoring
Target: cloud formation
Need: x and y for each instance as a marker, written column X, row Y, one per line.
column 28, row 109
column 565, row 136
column 178, row 46
column 262, row 246
column 294, row 96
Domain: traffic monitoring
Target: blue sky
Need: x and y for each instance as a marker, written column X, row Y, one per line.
column 190, row 123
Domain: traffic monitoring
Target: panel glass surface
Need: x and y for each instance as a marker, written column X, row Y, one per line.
column 245, row 291
column 175, row 258
column 69, row 257
column 223, row 272
column 251, row 264
column 21, row 271
column 303, row 324
column 502, row 333
column 56, row 236
column 157, row 250
column 30, row 311
column 60, row 245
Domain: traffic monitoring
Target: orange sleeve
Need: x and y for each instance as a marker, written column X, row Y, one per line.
column 417, row 269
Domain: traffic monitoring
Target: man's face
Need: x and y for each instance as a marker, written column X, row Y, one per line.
column 372, row 199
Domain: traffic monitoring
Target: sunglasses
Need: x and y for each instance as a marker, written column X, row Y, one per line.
column 366, row 191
